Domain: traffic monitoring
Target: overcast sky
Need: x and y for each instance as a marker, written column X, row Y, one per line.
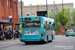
column 43, row 2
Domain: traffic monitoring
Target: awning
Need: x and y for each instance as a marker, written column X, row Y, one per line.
column 4, row 22
column 17, row 23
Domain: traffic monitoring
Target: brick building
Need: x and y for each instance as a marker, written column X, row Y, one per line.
column 9, row 8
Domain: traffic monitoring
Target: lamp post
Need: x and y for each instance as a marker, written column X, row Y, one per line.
column 37, row 7
column 46, row 8
column 57, row 14
column 73, row 21
column 31, row 8
column 21, row 9
column 62, row 8
column 54, row 13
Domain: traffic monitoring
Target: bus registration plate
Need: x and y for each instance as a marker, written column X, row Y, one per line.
column 31, row 32
column 69, row 34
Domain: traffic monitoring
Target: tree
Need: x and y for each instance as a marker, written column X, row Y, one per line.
column 58, row 27
column 62, row 18
column 50, row 15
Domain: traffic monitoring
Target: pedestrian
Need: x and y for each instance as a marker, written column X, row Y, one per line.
column 0, row 33
column 6, row 33
column 17, row 33
column 14, row 32
column 10, row 33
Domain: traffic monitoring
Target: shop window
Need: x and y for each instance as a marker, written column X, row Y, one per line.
column 11, row 4
column 2, row 3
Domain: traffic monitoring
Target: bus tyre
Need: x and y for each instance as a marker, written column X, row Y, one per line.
column 52, row 39
column 66, row 35
column 27, row 43
column 73, row 35
column 47, row 40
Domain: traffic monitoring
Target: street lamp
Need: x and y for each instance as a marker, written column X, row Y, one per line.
column 37, row 7
column 73, row 21
column 54, row 13
column 31, row 8
column 57, row 13
column 62, row 8
column 21, row 9
column 46, row 8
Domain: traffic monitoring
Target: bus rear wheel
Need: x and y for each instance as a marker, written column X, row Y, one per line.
column 66, row 35
column 27, row 43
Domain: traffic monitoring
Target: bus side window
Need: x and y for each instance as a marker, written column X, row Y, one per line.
column 45, row 24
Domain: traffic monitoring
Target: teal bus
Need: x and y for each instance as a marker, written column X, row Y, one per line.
column 36, row 28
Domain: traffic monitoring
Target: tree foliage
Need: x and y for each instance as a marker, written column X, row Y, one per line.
column 62, row 18
column 58, row 27
column 50, row 15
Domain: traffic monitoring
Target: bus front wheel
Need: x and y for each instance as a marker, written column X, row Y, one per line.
column 52, row 39
column 46, row 41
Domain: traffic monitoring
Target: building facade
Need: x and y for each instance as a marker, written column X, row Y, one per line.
column 33, row 10
column 9, row 8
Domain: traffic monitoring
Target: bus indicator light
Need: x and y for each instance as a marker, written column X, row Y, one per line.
column 41, row 33
column 20, row 25
column 41, row 25
column 20, row 31
column 36, row 18
column 39, row 18
column 22, row 19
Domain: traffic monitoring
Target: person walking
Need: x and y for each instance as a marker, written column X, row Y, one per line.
column 17, row 33
column 10, row 33
column 6, row 33
column 0, row 34
column 14, row 32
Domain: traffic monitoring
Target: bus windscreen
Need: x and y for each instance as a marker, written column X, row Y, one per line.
column 30, row 24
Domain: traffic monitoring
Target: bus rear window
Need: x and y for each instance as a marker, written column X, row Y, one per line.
column 31, row 24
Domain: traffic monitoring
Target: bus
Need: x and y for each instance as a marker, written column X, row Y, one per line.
column 36, row 28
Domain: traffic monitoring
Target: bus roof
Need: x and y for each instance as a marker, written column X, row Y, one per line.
column 45, row 18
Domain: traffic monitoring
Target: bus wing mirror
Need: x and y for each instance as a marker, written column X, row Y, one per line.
column 49, row 22
column 53, row 24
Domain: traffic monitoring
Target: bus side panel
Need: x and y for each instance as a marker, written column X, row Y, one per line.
column 49, row 35
column 21, row 29
column 53, row 35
